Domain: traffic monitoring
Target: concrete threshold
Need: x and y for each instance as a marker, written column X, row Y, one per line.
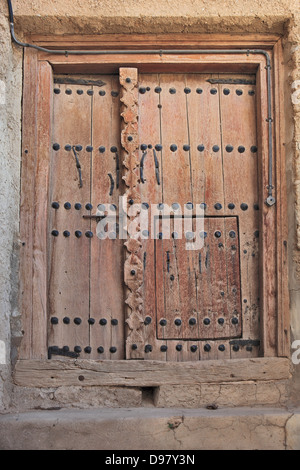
column 151, row 429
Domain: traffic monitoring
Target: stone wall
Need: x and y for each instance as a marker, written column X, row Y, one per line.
column 120, row 16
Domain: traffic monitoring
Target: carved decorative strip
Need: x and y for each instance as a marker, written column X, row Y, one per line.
column 133, row 269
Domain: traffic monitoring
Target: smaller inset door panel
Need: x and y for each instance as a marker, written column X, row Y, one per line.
column 198, row 293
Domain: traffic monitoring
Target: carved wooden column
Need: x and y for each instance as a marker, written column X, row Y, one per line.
column 133, row 269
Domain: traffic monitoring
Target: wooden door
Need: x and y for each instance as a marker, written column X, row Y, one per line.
column 173, row 145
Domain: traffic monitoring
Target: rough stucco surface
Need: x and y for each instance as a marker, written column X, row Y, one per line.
column 258, row 430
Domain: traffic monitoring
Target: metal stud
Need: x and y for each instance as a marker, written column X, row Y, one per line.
column 229, row 148
column 172, row 277
column 54, row 320
column 207, row 347
column 200, row 147
column 55, row 205
column 102, row 93
column 78, row 148
column 199, row 91
column 132, row 272
column 145, row 205
column 55, row 233
column 239, row 92
column 77, row 349
column 163, row 348
column 174, row 235
column 88, row 207
column 101, row 149
column 232, row 234
column 56, row 146
column 206, row 321
column 67, row 205
column 114, row 321
column 147, row 321
column 91, row 321
column 148, row 348
column 226, row 91
column 100, row 349
column 130, row 138
column 134, row 347
column 231, row 205
column 234, row 320
column 251, row 92
column 77, row 321
column 173, row 148
column 253, row 149
column 186, row 147
column 57, row 91
column 89, row 148
column 221, row 347
column 178, row 347
column 88, row 349
column 213, row 91
column 66, row 233
column 103, row 321
column 216, row 148
column 235, row 347
column 218, row 234
column 244, row 206
column 78, row 233
column 65, row 348
column 66, row 320
column 142, row 90
column 113, row 349
column 177, row 321
column 187, row 90
column 68, row 147
column 194, row 348
column 218, row 206
column 89, row 234
column 172, row 91
column 79, row 92
column 203, row 205
column 256, row 234
column 114, row 94
column 158, row 147
column 77, row 206
column 90, row 92
column 163, row 322
column 241, row 149
column 128, row 80
column 221, row 321
column 68, row 91
column 113, row 149
column 157, row 89
column 192, row 321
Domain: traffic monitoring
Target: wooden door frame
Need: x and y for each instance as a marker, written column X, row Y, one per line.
column 37, row 114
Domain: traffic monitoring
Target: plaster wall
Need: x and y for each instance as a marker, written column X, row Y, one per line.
column 120, row 16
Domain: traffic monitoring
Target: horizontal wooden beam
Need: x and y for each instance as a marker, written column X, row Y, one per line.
column 69, row 372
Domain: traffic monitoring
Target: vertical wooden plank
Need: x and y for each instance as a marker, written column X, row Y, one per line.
column 202, row 103
column 106, row 282
column 40, row 234
column 151, row 194
column 69, row 259
column 267, row 266
column 239, row 146
column 176, row 178
column 283, row 332
column 29, row 153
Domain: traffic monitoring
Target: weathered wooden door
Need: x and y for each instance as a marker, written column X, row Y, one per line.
column 172, row 145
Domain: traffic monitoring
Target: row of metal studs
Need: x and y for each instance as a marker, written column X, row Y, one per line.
column 68, row 91
column 192, row 321
column 142, row 90
column 199, row 91
column 173, row 147
column 145, row 205
column 78, row 321
column 148, row 348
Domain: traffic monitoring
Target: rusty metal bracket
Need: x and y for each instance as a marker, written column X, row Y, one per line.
column 78, row 166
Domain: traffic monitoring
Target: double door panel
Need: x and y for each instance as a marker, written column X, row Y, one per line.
column 198, row 156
